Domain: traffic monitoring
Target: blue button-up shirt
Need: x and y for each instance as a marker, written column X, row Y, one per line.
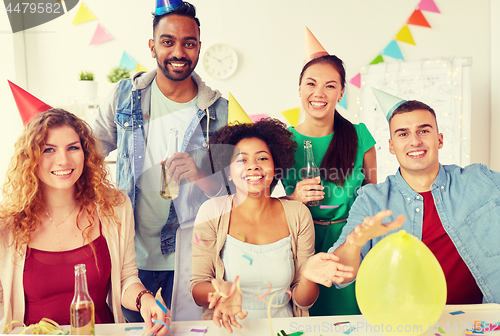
column 468, row 203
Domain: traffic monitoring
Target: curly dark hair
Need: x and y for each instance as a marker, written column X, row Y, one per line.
column 272, row 131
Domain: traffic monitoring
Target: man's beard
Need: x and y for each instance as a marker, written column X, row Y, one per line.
column 173, row 75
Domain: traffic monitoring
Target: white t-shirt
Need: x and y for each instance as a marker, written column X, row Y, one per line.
column 151, row 211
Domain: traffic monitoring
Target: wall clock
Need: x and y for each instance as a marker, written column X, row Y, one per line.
column 220, row 61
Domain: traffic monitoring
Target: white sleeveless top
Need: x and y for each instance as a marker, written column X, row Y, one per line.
column 272, row 263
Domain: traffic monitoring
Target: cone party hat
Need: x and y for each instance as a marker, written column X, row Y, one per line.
column 388, row 103
column 236, row 112
column 166, row 6
column 313, row 49
column 27, row 104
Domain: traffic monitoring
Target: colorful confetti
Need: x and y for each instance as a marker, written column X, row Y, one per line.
column 457, row 312
column 328, row 206
column 247, row 257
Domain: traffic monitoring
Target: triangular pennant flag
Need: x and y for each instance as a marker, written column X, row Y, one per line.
column 428, row 6
column 140, row 68
column 387, row 102
column 83, row 15
column 236, row 113
column 257, row 117
column 27, row 104
column 292, row 116
column 313, row 49
column 393, row 50
column 404, row 35
column 378, row 59
column 418, row 19
column 343, row 101
column 356, row 81
column 101, row 35
column 127, row 61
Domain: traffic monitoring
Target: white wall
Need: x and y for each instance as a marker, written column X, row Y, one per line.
column 11, row 124
column 268, row 37
column 495, row 85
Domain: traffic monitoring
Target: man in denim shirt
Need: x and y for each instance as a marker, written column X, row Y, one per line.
column 136, row 118
column 455, row 211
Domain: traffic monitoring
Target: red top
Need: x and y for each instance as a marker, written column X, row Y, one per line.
column 49, row 282
column 462, row 287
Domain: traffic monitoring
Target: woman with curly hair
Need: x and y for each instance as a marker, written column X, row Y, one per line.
column 346, row 156
column 252, row 236
column 59, row 209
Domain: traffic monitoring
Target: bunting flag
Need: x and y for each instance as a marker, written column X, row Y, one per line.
column 428, row 6
column 392, row 50
column 236, row 112
column 292, row 116
column 101, row 35
column 127, row 61
column 140, row 68
column 343, row 101
column 356, row 81
column 418, row 19
column 405, row 36
column 83, row 15
column 378, row 59
column 257, row 117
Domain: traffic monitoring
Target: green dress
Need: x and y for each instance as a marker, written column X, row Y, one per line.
column 331, row 301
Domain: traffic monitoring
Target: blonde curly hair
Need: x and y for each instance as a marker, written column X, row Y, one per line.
column 22, row 196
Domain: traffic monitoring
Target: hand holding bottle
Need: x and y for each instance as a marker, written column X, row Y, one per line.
column 311, row 172
column 308, row 190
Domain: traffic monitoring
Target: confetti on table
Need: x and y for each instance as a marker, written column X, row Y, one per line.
column 351, row 329
column 133, row 328
column 457, row 312
column 436, row 334
column 199, row 330
column 441, row 331
column 339, row 323
column 298, row 333
column 247, row 257
column 196, row 238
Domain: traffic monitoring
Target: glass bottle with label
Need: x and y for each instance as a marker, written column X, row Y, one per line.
column 310, row 169
column 169, row 188
column 82, row 306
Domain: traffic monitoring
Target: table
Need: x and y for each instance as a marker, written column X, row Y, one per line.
column 324, row 325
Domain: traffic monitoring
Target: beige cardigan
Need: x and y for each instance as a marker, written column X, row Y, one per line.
column 211, row 227
column 123, row 269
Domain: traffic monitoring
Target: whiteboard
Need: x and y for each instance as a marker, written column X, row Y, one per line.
column 443, row 84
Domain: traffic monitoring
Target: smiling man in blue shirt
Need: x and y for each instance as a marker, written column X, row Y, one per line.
column 455, row 211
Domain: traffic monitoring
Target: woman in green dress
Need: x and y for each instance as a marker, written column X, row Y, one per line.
column 346, row 156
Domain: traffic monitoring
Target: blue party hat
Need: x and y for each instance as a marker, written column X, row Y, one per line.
column 166, row 6
column 388, row 103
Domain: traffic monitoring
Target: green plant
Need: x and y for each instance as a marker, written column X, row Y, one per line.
column 118, row 73
column 86, row 76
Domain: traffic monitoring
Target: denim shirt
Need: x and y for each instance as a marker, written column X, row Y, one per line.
column 468, row 203
column 120, row 125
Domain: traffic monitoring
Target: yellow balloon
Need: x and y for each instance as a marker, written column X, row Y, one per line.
column 400, row 286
